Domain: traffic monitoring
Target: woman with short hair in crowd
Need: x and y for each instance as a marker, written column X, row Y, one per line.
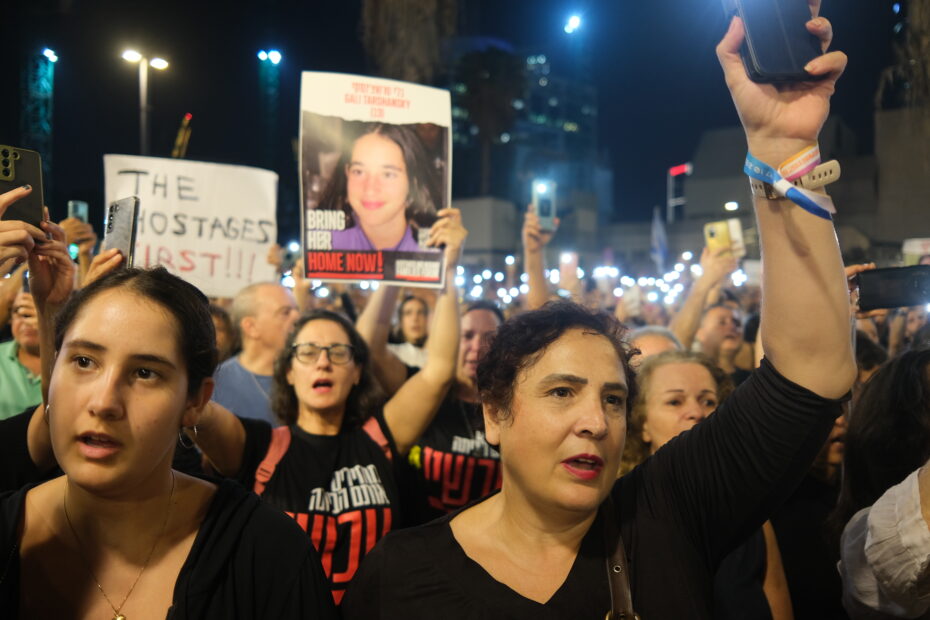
column 556, row 388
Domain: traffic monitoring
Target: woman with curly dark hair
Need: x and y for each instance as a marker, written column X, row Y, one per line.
column 564, row 538
column 331, row 466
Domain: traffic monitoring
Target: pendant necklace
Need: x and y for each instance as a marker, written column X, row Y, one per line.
column 116, row 610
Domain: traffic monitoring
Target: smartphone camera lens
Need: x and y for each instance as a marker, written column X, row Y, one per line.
column 6, row 163
column 5, row 172
column 5, row 153
column 15, row 154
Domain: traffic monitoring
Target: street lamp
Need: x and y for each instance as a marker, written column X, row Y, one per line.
column 573, row 23
column 144, row 63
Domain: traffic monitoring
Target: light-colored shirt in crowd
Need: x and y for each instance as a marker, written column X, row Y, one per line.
column 19, row 388
column 885, row 557
column 245, row 393
column 409, row 354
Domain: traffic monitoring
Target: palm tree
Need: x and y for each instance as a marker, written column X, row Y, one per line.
column 492, row 78
column 403, row 37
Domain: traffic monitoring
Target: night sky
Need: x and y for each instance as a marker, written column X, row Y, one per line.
column 653, row 63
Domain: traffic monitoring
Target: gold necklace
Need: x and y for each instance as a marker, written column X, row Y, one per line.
column 116, row 610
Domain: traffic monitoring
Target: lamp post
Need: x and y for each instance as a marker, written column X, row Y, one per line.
column 144, row 64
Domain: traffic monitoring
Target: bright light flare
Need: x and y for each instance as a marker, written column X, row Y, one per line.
column 687, row 256
column 262, row 55
column 731, row 206
column 48, row 53
column 573, row 23
column 274, row 56
column 158, row 63
column 293, row 246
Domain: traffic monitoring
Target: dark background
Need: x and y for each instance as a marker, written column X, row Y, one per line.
column 652, row 62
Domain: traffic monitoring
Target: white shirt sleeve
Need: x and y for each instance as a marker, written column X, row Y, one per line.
column 885, row 557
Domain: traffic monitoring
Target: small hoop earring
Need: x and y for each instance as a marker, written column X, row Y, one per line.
column 186, row 442
column 46, row 414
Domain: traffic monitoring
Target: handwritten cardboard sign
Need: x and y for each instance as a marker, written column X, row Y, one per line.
column 211, row 224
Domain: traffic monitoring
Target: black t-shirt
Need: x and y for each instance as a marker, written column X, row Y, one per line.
column 247, row 561
column 340, row 489
column 16, row 466
column 808, row 551
column 681, row 512
column 455, row 464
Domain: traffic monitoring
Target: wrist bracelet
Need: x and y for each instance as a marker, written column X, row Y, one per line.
column 781, row 181
column 822, row 175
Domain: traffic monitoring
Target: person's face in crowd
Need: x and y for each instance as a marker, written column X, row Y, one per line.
column 378, row 186
column 562, row 442
column 24, row 324
column 476, row 328
column 719, row 325
column 275, row 314
column 118, row 394
column 916, row 318
column 223, row 336
column 680, row 396
column 322, row 386
column 413, row 320
column 648, row 345
column 831, row 454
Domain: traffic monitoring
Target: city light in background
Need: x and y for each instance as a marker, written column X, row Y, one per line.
column 573, row 24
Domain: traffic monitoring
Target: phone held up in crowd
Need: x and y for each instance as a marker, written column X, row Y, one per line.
column 120, row 231
column 544, row 204
column 19, row 167
column 778, row 45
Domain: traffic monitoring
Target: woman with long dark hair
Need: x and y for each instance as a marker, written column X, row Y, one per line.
column 331, row 466
column 387, row 188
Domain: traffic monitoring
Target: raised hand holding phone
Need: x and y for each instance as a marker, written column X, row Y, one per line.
column 17, row 238
column 781, row 120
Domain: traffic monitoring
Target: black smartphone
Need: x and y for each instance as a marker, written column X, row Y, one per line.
column 894, row 287
column 20, row 167
column 120, row 229
column 778, row 45
column 544, row 204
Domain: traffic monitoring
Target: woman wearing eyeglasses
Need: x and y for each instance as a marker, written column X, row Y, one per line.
column 332, row 465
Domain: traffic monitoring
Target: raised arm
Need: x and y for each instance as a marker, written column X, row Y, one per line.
column 412, row 408
column 715, row 268
column 374, row 325
column 805, row 308
column 535, row 241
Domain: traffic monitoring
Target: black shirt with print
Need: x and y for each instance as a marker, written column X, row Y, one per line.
column 340, row 489
column 454, row 463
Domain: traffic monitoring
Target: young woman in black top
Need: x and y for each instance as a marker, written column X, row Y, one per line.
column 122, row 534
column 555, row 387
column 332, row 465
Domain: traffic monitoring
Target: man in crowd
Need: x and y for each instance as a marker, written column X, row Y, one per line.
column 263, row 313
column 20, row 382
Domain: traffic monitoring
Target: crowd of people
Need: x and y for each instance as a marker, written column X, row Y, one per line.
column 383, row 453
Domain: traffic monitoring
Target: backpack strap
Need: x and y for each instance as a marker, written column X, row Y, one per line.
column 280, row 441
column 373, row 429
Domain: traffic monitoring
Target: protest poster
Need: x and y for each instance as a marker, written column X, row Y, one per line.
column 211, row 224
column 375, row 168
